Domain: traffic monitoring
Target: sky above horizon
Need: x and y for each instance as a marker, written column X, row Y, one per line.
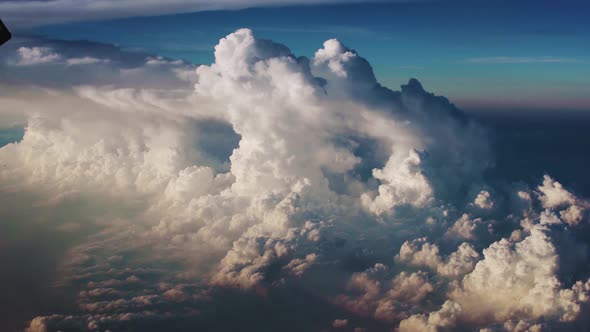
column 482, row 55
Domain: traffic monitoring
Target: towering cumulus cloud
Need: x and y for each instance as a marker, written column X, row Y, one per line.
column 244, row 181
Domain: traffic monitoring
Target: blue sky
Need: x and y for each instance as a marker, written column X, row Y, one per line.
column 481, row 54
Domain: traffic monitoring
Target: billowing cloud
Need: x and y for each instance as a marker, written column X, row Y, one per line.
column 484, row 200
column 265, row 176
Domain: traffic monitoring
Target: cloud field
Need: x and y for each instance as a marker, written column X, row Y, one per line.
column 271, row 185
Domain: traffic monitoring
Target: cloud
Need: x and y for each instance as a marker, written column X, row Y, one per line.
column 38, row 12
column 443, row 319
column 464, row 228
column 385, row 300
column 265, row 177
column 519, row 278
column 552, row 195
column 85, row 61
column 458, row 263
column 298, row 266
column 403, row 184
column 483, row 200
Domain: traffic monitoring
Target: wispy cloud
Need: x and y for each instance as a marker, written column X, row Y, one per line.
column 26, row 13
column 516, row 59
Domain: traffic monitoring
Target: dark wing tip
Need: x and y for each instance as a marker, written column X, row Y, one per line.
column 5, row 35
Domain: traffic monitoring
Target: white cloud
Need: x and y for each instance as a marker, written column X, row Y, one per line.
column 522, row 326
column 298, row 266
column 484, row 200
column 410, row 288
column 420, row 253
column 522, row 60
column 385, row 300
column 264, row 171
column 87, row 60
column 404, row 183
column 518, row 278
column 444, row 319
column 553, row 194
column 460, row 262
column 30, row 56
column 334, row 54
column 464, row 227
column 38, row 12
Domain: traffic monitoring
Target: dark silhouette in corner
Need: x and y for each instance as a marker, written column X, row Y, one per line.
column 4, row 34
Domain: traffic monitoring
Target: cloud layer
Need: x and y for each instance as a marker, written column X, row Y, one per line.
column 38, row 12
column 265, row 173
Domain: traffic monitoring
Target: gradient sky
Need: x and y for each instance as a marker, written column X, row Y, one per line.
column 481, row 54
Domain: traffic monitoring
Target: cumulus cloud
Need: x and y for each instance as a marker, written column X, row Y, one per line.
column 552, row 195
column 522, row 60
column 298, row 266
column 464, row 227
column 383, row 299
column 519, row 281
column 403, row 184
column 87, row 60
column 483, row 200
column 266, row 173
column 444, row 319
column 420, row 253
column 36, row 55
